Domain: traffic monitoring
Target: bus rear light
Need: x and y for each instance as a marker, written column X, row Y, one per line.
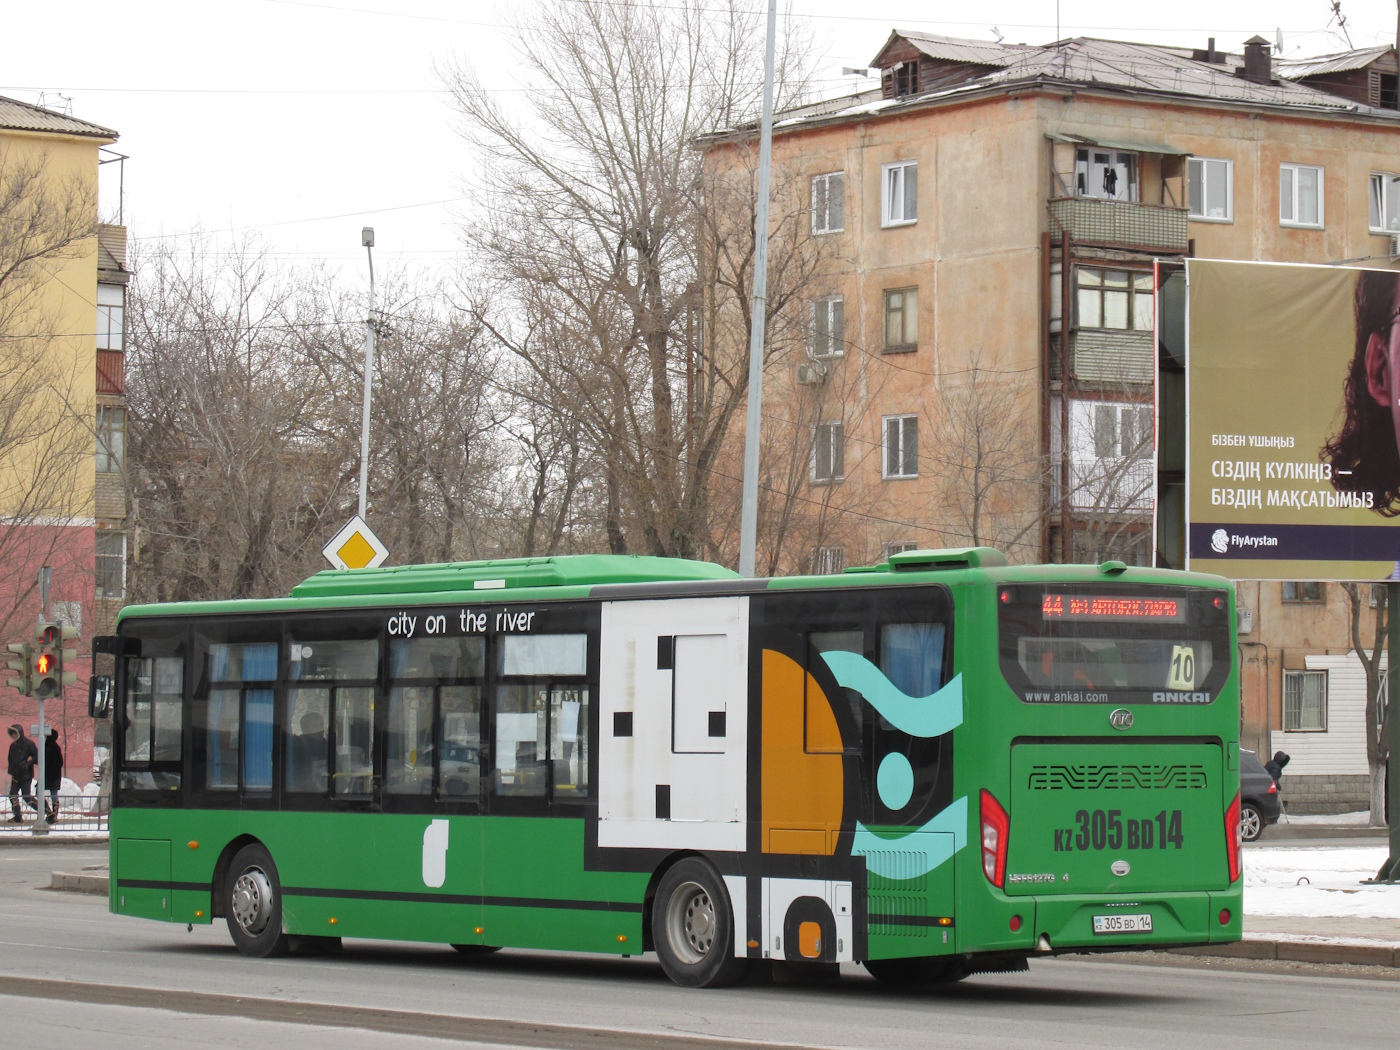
column 996, row 827
column 1015, row 923
column 1232, row 838
column 1224, row 916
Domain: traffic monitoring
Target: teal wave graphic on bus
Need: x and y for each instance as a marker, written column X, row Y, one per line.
column 912, row 855
column 923, row 716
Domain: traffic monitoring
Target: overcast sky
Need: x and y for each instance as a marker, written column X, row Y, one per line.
column 306, row 120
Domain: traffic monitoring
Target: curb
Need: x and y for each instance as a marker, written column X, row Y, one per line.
column 1301, row 951
column 79, row 882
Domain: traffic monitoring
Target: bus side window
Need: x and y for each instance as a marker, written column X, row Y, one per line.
column 434, row 687
column 536, row 715
column 850, row 641
column 239, row 719
column 911, row 656
column 568, row 740
column 345, row 672
column 308, row 754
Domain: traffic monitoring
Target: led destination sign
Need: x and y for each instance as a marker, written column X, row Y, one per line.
column 1117, row 608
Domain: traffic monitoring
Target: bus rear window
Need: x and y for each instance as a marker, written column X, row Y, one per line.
column 1126, row 644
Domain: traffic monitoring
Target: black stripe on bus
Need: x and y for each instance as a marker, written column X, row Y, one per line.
column 945, row 923
column 462, row 898
column 160, row 884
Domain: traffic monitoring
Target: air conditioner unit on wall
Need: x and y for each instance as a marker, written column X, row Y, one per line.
column 811, row 373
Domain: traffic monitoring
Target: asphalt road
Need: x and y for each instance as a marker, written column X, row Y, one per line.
column 194, row 989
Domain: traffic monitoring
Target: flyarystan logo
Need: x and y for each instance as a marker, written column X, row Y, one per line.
column 1220, row 541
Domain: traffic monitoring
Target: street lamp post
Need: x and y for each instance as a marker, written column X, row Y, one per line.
column 367, row 239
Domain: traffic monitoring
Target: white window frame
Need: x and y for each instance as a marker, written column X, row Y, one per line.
column 1388, row 183
column 822, row 224
column 828, row 561
column 832, row 305
column 111, row 439
column 121, row 536
column 1298, row 710
column 888, row 217
column 901, row 452
column 1202, row 164
column 1294, row 222
column 828, row 430
column 111, row 317
column 1139, row 286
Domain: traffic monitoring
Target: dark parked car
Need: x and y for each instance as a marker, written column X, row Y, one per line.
column 1259, row 801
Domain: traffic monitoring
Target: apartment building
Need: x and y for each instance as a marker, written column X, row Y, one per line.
column 62, row 415
column 999, row 217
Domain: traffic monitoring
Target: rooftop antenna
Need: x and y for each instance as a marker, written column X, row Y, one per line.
column 1278, row 41
column 997, row 33
column 1341, row 21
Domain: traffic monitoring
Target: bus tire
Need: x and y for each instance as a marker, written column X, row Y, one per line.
column 692, row 924
column 476, row 949
column 914, row 973
column 253, row 904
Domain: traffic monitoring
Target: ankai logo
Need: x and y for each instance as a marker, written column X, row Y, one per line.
column 1121, row 718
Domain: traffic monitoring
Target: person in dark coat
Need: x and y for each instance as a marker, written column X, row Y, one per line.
column 53, row 773
column 1274, row 766
column 22, row 759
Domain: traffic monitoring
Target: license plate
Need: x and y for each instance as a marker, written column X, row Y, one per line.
column 1122, row 923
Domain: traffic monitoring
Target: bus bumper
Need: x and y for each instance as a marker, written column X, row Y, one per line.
column 1067, row 921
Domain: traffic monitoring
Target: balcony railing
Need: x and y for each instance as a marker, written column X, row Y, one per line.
column 111, row 372
column 1120, row 224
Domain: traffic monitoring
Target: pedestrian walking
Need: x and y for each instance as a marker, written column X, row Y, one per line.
column 53, row 773
column 22, row 759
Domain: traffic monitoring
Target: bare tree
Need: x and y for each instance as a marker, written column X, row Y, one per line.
column 1377, row 709
column 46, row 429
column 600, row 209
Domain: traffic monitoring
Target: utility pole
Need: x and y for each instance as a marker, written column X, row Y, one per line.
column 748, row 521
column 367, row 239
column 40, row 825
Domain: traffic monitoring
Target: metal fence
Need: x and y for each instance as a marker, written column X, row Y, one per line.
column 75, row 813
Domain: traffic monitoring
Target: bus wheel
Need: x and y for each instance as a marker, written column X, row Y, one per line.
column 476, row 949
column 914, row 973
column 253, row 904
column 693, row 927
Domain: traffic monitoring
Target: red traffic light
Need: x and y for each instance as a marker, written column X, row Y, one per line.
column 43, row 663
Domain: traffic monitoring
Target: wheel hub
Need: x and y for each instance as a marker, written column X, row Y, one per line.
column 692, row 922
column 252, row 900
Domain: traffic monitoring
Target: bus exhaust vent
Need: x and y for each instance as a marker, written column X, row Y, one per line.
column 950, row 558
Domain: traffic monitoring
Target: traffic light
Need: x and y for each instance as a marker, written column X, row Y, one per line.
column 23, row 665
column 49, row 677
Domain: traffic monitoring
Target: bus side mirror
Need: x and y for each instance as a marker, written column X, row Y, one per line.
column 99, row 696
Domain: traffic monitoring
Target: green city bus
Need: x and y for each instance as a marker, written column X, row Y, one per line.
column 936, row 766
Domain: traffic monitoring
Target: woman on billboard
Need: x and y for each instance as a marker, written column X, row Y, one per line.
column 1365, row 455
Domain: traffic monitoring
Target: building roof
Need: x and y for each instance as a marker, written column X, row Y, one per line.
column 1114, row 65
column 1341, row 62
column 21, row 116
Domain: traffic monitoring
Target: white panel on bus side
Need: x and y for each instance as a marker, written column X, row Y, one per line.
column 778, row 896
column 671, row 784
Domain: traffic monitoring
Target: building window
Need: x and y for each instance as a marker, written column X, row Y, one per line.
column 827, row 561
column 1304, row 592
column 1106, row 174
column 897, row 547
column 901, row 319
column 905, row 78
column 1118, row 299
column 1300, row 195
column 1211, row 189
column 829, row 203
column 1305, row 701
column 899, row 193
column 901, row 446
column 1385, row 203
column 1121, row 431
column 111, row 439
column 828, row 452
column 828, row 326
column 110, row 563
column 111, row 303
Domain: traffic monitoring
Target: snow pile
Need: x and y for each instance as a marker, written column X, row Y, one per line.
column 1361, row 819
column 1318, row 882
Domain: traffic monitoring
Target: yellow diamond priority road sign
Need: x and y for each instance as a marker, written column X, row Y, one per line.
column 355, row 547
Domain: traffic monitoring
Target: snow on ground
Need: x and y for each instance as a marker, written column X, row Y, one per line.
column 1318, row 882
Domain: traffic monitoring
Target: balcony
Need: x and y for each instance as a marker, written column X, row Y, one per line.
column 111, row 372
column 1120, row 224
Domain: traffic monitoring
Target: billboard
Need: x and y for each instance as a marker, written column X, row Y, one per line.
column 1292, row 421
